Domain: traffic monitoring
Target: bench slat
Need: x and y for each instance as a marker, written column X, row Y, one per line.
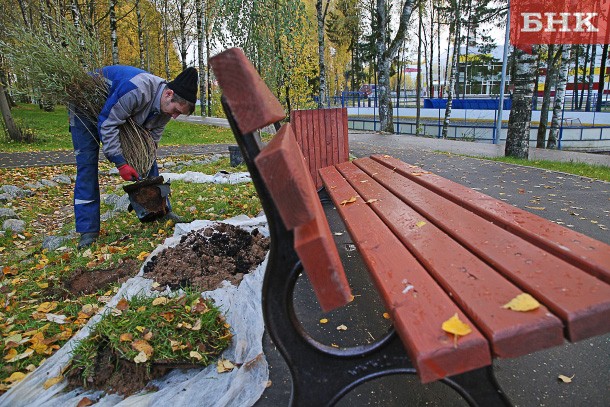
column 283, row 169
column 322, row 136
column 417, row 313
column 476, row 287
column 583, row 251
column 579, row 299
column 250, row 100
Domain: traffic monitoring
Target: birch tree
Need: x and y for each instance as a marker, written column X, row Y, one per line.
column 452, row 71
column 551, row 65
column 517, row 139
column 321, row 11
column 602, row 74
column 560, row 90
column 590, row 78
column 384, row 55
column 114, row 43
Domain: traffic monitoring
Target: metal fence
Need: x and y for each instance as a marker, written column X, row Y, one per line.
column 570, row 137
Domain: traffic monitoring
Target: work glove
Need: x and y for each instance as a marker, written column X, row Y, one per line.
column 128, row 173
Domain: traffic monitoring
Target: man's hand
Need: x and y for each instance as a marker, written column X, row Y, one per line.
column 128, row 173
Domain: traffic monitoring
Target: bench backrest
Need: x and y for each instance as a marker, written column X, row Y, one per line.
column 323, row 137
column 286, row 176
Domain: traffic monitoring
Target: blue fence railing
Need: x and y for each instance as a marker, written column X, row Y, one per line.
column 585, row 137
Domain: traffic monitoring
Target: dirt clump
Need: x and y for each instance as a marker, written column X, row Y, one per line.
column 83, row 281
column 206, row 257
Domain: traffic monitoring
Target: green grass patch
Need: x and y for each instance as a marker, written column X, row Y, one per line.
column 148, row 330
column 586, row 170
column 51, row 131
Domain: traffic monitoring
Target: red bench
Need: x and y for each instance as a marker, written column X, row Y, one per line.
column 434, row 249
column 322, row 136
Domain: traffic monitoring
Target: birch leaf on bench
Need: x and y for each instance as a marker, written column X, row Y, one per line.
column 348, row 201
column 523, row 303
column 456, row 326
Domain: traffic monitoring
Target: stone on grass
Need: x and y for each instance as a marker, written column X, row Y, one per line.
column 14, row 225
column 8, row 213
column 122, row 204
column 48, row 183
column 110, row 199
column 53, row 242
column 62, row 179
column 15, row 192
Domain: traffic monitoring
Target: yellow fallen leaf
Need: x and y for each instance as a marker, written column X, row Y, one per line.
column 536, row 208
column 523, row 303
column 15, row 377
column 143, row 255
column 386, row 315
column 47, row 307
column 142, row 346
column 197, row 325
column 565, row 379
column 89, row 309
column 141, row 357
column 324, row 321
column 28, row 352
column 341, row 328
column 126, row 337
column 372, row 200
column 140, row 328
column 348, row 201
column 420, row 223
column 455, row 326
column 160, row 301
column 196, row 355
column 43, row 285
column 10, row 354
column 52, row 381
column 224, row 365
column 39, row 348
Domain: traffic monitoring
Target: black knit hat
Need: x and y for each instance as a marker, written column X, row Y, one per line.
column 185, row 84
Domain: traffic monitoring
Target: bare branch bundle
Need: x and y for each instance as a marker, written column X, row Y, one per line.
column 62, row 69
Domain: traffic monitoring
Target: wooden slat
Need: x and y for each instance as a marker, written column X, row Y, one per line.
column 583, row 251
column 579, row 299
column 417, row 313
column 283, row 169
column 315, row 245
column 250, row 100
column 322, row 135
column 476, row 287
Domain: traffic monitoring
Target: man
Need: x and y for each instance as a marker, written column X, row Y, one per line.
column 132, row 93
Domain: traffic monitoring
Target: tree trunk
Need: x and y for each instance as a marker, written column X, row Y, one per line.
column 590, row 79
column 546, row 97
column 601, row 84
column 536, row 82
column 321, row 16
column 452, row 75
column 200, row 41
column 576, row 67
column 113, row 32
column 164, row 26
column 584, row 73
column 14, row 133
column 140, row 33
column 418, row 77
column 560, row 90
column 517, row 139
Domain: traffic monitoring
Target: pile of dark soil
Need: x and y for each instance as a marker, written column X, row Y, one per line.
column 206, row 257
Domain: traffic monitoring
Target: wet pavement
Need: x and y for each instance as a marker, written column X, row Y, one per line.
column 576, row 202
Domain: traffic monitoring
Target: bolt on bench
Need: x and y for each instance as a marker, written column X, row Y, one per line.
column 434, row 249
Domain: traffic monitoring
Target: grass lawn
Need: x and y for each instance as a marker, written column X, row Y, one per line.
column 52, row 133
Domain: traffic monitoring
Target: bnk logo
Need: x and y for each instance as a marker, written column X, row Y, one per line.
column 559, row 22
